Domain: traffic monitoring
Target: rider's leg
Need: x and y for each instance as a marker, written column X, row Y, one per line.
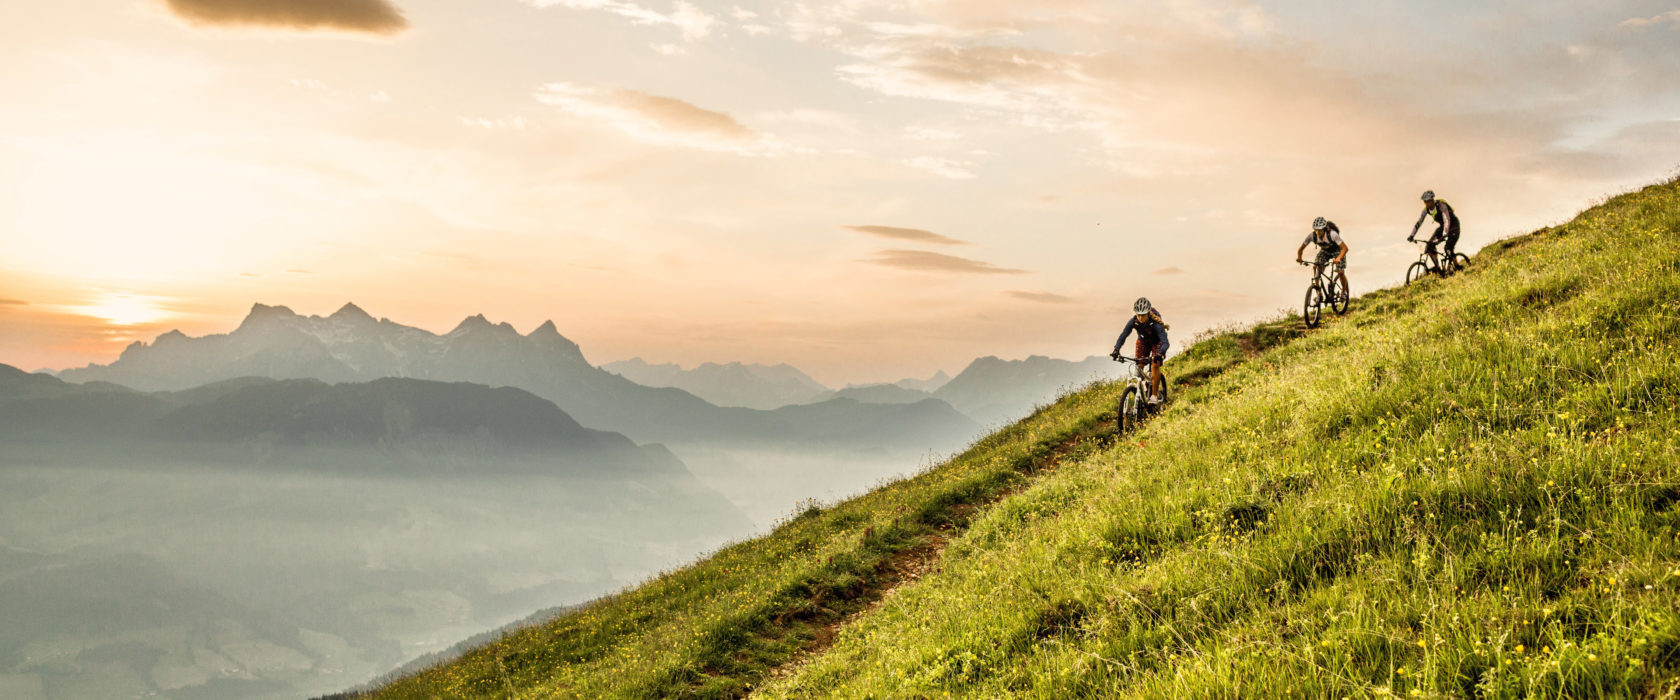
column 1341, row 271
column 1434, row 258
column 1155, row 382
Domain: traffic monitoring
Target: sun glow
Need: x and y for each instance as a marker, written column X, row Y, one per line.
column 124, row 309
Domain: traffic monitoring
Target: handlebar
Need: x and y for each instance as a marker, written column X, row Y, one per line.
column 1137, row 360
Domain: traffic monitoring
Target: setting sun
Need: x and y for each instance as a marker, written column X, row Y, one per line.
column 124, row 309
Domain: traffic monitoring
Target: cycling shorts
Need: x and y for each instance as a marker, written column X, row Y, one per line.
column 1325, row 256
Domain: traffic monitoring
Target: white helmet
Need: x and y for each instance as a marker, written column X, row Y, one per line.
column 1428, row 195
column 1142, row 306
column 1319, row 224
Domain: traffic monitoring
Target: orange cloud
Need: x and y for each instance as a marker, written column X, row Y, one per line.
column 363, row 16
column 924, row 261
column 659, row 120
column 1040, row 297
column 906, row 234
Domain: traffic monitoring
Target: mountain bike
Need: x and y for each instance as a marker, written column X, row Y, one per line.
column 1426, row 266
column 1134, row 400
column 1326, row 290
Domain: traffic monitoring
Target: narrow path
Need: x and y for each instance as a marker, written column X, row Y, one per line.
column 909, row 565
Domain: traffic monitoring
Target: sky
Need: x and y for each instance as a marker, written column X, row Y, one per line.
column 866, row 189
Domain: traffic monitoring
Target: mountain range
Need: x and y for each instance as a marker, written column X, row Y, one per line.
column 352, row 346
column 391, row 425
column 758, row 386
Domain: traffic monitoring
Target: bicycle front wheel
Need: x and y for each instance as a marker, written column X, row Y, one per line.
column 1313, row 309
column 1339, row 296
column 1416, row 272
column 1129, row 415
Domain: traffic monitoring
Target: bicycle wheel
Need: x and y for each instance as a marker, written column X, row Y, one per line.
column 1339, row 296
column 1460, row 261
column 1313, row 309
column 1129, row 416
column 1416, row 272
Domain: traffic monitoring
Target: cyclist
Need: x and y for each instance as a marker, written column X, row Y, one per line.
column 1446, row 228
column 1151, row 342
column 1331, row 248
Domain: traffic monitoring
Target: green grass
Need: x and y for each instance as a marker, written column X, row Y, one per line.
column 1465, row 487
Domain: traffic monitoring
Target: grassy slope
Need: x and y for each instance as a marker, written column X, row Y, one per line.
column 1465, row 486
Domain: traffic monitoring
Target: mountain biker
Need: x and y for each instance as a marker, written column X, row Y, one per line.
column 1151, row 342
column 1331, row 248
column 1446, row 227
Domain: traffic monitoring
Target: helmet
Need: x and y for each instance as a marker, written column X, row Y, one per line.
column 1142, row 306
column 1319, row 224
column 1428, row 195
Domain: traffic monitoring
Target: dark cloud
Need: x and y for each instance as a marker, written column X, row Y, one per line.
column 1040, row 297
column 365, row 16
column 906, row 234
column 924, row 261
column 1168, row 271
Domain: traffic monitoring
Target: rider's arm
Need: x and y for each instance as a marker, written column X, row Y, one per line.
column 1343, row 255
column 1419, row 223
column 1130, row 324
column 1298, row 251
column 1161, row 329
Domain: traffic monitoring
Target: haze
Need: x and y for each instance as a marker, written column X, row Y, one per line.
column 867, row 190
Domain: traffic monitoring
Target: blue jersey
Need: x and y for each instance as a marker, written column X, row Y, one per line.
column 1151, row 332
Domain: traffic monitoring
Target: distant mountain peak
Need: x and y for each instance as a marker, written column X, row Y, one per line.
column 263, row 314
column 351, row 312
column 546, row 330
column 472, row 322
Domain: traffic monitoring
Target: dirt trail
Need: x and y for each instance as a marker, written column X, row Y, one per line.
column 911, row 564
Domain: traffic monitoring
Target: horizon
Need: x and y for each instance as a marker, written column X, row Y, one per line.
column 868, row 191
column 550, row 323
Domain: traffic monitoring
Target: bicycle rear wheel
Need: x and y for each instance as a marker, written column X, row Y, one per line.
column 1130, row 415
column 1460, row 261
column 1338, row 295
column 1416, row 272
column 1313, row 309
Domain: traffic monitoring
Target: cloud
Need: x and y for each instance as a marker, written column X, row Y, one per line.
column 906, row 234
column 689, row 19
column 1040, row 297
column 1168, row 271
column 924, row 261
column 362, row 16
column 943, row 167
column 1671, row 17
column 659, row 120
column 493, row 123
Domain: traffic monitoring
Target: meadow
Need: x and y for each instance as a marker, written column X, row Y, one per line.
column 1465, row 487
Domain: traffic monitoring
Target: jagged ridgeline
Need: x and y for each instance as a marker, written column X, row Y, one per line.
column 1465, row 487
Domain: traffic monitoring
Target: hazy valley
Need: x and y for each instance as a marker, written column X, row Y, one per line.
column 306, row 503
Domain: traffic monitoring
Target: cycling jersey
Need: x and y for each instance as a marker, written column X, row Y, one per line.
column 1446, row 220
column 1151, row 335
column 1332, row 240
